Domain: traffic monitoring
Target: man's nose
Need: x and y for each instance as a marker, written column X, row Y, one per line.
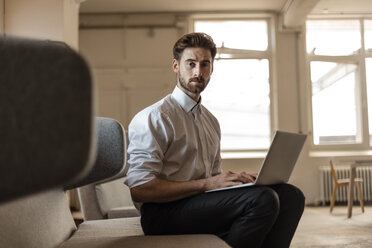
column 197, row 71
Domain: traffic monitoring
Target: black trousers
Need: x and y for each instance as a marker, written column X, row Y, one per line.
column 258, row 216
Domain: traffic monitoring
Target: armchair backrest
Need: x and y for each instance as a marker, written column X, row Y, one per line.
column 47, row 139
column 107, row 192
column 46, row 113
column 111, row 153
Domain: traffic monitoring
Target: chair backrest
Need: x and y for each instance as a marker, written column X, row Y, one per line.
column 111, row 153
column 105, row 192
column 46, row 113
column 47, row 139
column 333, row 171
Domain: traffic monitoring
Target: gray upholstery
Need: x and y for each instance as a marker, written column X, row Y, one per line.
column 107, row 197
column 111, row 152
column 45, row 94
column 46, row 138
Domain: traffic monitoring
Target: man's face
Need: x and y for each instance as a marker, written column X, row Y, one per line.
column 194, row 70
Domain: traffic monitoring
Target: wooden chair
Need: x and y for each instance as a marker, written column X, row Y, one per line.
column 341, row 183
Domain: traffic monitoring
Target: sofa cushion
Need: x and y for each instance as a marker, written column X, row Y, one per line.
column 127, row 232
column 123, row 212
column 113, row 195
column 171, row 241
column 42, row 220
column 109, row 228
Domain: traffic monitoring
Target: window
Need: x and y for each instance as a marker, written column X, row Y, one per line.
column 239, row 92
column 334, row 103
column 368, row 69
column 340, row 61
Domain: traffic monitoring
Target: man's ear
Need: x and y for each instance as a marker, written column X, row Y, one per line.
column 175, row 65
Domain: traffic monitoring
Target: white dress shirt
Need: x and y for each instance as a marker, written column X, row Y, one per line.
column 176, row 139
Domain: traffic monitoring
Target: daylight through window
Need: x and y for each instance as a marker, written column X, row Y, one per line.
column 339, row 53
column 239, row 91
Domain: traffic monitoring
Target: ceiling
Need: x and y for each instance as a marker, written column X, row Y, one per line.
column 321, row 6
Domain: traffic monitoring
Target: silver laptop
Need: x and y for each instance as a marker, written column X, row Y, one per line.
column 279, row 162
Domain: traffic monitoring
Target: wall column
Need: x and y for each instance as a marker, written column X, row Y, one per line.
column 42, row 19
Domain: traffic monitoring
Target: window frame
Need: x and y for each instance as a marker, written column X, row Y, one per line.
column 358, row 59
column 248, row 54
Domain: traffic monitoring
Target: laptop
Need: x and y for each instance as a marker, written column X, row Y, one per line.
column 279, row 162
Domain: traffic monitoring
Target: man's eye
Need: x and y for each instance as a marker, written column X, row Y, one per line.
column 191, row 64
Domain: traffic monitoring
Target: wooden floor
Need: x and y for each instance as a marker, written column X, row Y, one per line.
column 319, row 228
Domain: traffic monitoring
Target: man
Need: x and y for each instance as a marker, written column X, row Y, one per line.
column 174, row 157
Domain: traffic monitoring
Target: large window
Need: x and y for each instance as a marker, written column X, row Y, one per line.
column 239, row 92
column 340, row 63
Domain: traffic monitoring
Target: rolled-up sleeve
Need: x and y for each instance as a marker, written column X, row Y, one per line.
column 149, row 134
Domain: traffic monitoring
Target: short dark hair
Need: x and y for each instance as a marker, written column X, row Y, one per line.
column 194, row 40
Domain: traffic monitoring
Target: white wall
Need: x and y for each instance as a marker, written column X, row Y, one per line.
column 132, row 66
column 2, row 16
column 43, row 19
column 71, row 23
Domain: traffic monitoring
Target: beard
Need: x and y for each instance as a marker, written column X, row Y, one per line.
column 188, row 86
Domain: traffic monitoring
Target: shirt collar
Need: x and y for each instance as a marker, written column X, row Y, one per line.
column 186, row 102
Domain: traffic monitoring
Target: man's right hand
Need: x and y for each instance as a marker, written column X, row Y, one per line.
column 160, row 190
column 227, row 179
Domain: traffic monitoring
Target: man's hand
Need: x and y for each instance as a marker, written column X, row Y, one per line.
column 160, row 190
column 227, row 179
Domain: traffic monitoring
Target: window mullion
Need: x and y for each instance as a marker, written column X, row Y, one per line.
column 363, row 89
column 337, row 59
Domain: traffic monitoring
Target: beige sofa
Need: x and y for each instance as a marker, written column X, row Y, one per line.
column 48, row 143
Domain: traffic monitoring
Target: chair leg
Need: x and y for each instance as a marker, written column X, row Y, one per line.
column 360, row 196
column 333, row 198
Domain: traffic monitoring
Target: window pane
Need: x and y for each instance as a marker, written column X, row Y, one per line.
column 333, row 37
column 238, row 95
column 334, row 103
column 368, row 35
column 236, row 34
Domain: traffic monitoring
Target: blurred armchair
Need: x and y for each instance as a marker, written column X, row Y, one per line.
column 108, row 198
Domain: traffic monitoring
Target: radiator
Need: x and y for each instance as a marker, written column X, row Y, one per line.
column 326, row 183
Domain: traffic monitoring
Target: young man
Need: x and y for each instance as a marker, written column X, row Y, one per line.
column 174, row 157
